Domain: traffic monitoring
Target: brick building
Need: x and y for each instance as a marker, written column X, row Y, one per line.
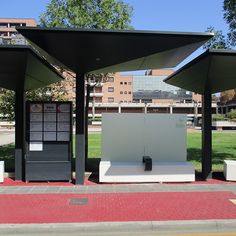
column 8, row 31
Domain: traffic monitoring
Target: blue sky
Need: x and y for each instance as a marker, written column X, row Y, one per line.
column 164, row 15
column 173, row 15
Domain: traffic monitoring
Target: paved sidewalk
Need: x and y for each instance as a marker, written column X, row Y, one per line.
column 117, row 188
column 131, row 207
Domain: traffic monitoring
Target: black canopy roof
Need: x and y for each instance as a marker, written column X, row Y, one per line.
column 96, row 51
column 19, row 62
column 216, row 68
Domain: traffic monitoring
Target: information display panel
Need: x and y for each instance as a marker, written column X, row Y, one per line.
column 49, row 122
column 48, row 141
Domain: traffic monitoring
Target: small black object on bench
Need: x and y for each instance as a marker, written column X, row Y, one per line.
column 147, row 160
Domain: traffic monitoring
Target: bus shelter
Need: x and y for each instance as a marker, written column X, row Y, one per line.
column 211, row 72
column 99, row 51
column 21, row 70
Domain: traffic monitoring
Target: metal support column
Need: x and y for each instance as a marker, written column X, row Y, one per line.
column 19, row 131
column 80, row 129
column 119, row 108
column 93, row 109
column 206, row 135
column 145, row 108
column 86, row 123
column 195, row 113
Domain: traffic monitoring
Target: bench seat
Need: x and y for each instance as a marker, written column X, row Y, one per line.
column 133, row 171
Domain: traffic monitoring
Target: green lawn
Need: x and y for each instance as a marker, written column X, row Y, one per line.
column 224, row 147
column 223, row 144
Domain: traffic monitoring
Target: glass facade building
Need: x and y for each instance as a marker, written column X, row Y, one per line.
column 146, row 88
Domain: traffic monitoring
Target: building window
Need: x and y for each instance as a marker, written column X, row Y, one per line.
column 3, row 25
column 125, row 82
column 111, row 89
column 110, row 99
column 121, row 82
column 129, row 83
column 121, row 92
column 111, row 79
column 129, row 92
column 13, row 25
column 125, row 92
column 13, row 34
column 2, row 33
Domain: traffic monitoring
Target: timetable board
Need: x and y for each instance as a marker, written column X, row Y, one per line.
column 49, row 122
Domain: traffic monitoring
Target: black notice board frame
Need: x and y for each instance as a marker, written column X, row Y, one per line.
column 42, row 131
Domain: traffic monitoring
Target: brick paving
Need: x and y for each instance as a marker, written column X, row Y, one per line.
column 50, row 202
column 112, row 207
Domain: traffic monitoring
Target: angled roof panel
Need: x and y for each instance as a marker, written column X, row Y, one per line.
column 217, row 67
column 112, row 51
column 18, row 63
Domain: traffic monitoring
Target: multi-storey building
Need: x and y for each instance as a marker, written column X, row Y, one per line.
column 148, row 88
column 118, row 89
column 8, row 28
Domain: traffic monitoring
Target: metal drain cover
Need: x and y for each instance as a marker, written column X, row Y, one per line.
column 79, row 201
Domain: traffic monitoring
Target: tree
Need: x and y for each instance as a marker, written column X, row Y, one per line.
column 227, row 96
column 219, row 40
column 7, row 103
column 229, row 8
column 93, row 14
column 7, row 100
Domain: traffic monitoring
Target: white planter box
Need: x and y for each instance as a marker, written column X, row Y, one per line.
column 230, row 170
column 223, row 124
column 96, row 122
column 1, row 171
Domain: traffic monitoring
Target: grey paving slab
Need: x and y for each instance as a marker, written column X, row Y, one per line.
column 24, row 190
column 177, row 227
column 53, row 189
column 66, row 190
column 94, row 189
column 38, row 189
column 80, row 190
column 118, row 188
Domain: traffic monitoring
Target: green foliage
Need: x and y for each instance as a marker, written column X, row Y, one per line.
column 93, row 14
column 229, row 7
column 7, row 100
column 7, row 103
column 40, row 94
column 95, row 119
column 231, row 114
column 218, row 117
column 219, row 41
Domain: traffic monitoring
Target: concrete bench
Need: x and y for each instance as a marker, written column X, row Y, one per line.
column 230, row 170
column 133, row 171
column 1, row 171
